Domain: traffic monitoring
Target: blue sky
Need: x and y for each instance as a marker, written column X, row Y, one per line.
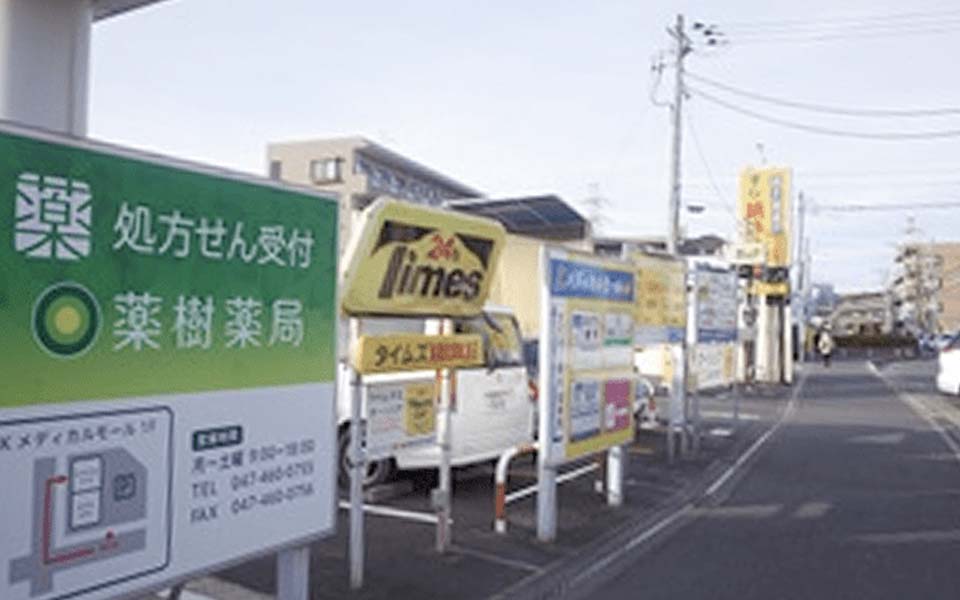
column 548, row 96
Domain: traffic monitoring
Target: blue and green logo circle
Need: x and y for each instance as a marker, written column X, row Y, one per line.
column 66, row 320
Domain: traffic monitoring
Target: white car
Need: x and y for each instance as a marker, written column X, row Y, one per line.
column 948, row 374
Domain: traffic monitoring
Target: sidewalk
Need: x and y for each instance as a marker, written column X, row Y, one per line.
column 401, row 561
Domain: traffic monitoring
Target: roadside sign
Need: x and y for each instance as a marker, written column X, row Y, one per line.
column 415, row 352
column 168, row 402
column 588, row 392
column 764, row 208
column 770, row 288
column 747, row 253
column 399, row 416
column 661, row 306
column 413, row 260
column 716, row 304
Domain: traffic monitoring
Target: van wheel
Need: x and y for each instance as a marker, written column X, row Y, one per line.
column 378, row 471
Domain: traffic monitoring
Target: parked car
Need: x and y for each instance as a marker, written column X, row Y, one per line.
column 494, row 408
column 948, row 373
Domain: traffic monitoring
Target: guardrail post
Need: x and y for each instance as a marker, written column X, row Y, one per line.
column 500, row 485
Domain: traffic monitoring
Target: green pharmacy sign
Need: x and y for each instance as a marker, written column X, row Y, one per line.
column 124, row 278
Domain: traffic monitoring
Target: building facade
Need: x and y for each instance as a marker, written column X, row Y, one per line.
column 925, row 288
column 359, row 171
column 862, row 314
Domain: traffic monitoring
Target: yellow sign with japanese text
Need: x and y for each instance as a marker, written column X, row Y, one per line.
column 415, row 352
column 770, row 288
column 661, row 306
column 419, row 409
column 414, row 260
column 764, row 211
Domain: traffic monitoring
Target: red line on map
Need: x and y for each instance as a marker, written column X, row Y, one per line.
column 47, row 526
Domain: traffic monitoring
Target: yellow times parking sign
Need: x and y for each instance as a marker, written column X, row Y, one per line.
column 414, row 260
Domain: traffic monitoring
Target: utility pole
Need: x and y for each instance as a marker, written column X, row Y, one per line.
column 682, row 49
column 800, row 261
column 679, row 384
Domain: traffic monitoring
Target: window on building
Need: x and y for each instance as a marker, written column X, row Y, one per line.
column 326, row 170
column 276, row 169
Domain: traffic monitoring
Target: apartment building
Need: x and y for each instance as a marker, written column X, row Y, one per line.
column 359, row 171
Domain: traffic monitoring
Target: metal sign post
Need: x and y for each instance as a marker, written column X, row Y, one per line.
column 412, row 261
column 443, row 495
column 293, row 574
column 548, row 426
column 616, row 458
column 358, row 467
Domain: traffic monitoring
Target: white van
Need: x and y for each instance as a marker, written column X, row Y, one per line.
column 493, row 408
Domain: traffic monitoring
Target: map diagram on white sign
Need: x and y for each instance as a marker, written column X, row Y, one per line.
column 97, row 487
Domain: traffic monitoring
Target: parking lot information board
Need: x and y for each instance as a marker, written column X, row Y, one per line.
column 590, row 376
column 400, row 415
column 168, row 397
column 716, row 304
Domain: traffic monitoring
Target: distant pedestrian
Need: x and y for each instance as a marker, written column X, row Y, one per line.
column 825, row 346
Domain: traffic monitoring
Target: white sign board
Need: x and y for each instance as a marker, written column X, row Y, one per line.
column 716, row 304
column 168, row 339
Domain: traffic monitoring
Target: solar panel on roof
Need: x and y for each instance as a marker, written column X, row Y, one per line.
column 546, row 216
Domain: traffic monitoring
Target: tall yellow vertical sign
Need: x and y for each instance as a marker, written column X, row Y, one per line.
column 764, row 211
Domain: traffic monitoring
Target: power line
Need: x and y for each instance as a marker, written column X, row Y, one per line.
column 841, row 19
column 706, row 165
column 845, row 36
column 908, row 206
column 851, row 29
column 835, row 110
column 920, row 135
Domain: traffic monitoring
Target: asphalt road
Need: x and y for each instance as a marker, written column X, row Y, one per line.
column 855, row 496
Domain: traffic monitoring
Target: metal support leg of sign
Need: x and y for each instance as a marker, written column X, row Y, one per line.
column 546, row 500
column 547, row 417
column 678, row 401
column 358, row 467
column 293, row 574
column 695, row 444
column 443, row 496
column 615, row 468
column 736, row 407
column 787, row 321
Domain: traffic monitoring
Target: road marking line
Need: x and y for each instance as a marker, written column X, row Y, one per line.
column 508, row 562
column 562, row 478
column 689, row 508
column 921, row 410
column 791, row 406
column 743, row 511
column 811, row 510
column 633, row 543
column 388, row 511
column 908, row 537
column 728, row 415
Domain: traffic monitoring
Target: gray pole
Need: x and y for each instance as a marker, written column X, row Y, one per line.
column 800, row 261
column 673, row 238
